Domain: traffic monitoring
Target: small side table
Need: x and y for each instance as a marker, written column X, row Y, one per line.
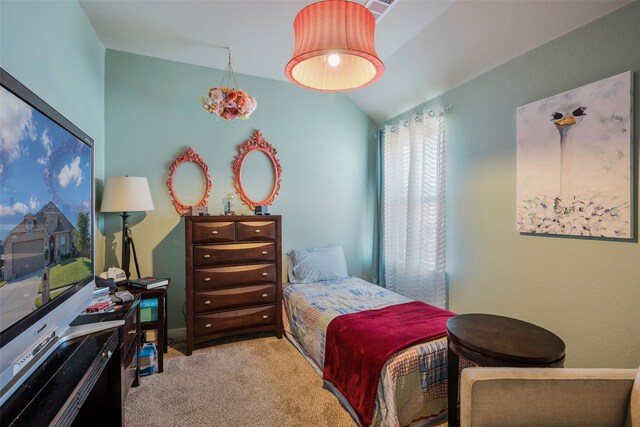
column 161, row 323
column 491, row 340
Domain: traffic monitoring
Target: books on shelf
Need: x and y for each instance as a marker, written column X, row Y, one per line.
column 148, row 283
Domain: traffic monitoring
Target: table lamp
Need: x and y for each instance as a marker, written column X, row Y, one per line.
column 127, row 194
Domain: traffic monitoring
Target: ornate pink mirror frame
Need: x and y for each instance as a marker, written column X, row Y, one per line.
column 193, row 157
column 256, row 143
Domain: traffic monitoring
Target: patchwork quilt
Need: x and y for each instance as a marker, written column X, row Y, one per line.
column 413, row 384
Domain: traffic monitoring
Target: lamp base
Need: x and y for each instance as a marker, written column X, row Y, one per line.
column 128, row 247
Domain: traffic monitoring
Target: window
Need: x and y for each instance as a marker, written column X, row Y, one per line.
column 62, row 242
column 29, row 226
column 413, row 229
column 52, row 224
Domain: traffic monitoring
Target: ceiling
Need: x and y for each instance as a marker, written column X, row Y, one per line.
column 428, row 46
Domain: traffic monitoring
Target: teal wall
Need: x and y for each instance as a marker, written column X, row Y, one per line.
column 51, row 48
column 586, row 291
column 324, row 144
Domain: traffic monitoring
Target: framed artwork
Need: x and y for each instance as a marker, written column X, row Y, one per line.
column 575, row 162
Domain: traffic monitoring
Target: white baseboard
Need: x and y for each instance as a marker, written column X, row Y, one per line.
column 177, row 333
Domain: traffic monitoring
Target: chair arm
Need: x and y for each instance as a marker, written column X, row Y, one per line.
column 544, row 396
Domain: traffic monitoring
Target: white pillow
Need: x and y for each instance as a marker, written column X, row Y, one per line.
column 317, row 264
column 292, row 278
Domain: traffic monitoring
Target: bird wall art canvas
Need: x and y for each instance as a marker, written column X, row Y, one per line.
column 574, row 162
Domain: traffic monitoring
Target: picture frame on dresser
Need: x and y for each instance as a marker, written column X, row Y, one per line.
column 233, row 276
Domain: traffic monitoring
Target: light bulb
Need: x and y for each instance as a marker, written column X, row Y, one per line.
column 334, row 60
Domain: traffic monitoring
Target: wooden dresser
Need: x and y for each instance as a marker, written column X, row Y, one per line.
column 233, row 276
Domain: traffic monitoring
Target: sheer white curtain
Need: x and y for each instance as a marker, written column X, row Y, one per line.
column 413, row 200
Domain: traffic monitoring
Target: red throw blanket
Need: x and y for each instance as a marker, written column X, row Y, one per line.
column 358, row 345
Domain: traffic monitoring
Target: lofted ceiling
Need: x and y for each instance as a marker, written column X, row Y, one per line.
column 428, row 46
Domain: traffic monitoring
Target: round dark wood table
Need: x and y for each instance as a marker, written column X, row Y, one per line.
column 492, row 340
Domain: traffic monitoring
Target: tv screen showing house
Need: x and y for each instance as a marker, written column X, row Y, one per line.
column 45, row 209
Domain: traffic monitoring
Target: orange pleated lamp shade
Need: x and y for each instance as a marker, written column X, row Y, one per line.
column 334, row 49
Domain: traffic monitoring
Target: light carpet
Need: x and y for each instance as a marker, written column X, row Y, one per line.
column 261, row 381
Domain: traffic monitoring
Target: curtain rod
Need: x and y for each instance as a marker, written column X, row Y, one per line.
column 418, row 117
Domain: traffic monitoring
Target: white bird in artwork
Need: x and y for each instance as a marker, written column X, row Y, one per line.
column 565, row 123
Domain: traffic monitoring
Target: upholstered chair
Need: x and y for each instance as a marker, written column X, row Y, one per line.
column 519, row 397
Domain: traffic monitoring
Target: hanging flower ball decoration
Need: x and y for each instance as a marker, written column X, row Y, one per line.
column 226, row 102
column 229, row 104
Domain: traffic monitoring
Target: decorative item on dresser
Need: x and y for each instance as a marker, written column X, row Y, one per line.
column 233, row 276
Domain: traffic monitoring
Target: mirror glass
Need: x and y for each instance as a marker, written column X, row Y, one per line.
column 189, row 183
column 258, row 176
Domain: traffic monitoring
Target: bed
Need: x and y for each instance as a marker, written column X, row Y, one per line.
column 412, row 390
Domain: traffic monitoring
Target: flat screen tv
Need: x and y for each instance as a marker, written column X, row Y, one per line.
column 46, row 229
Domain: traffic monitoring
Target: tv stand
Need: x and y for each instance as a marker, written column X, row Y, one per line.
column 28, row 363
column 85, row 380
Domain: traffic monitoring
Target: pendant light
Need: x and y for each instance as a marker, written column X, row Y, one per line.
column 334, row 47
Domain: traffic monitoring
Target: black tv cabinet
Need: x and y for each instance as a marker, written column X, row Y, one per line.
column 84, row 381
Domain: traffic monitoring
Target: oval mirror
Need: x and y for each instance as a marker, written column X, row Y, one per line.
column 256, row 172
column 189, row 183
column 189, row 168
column 257, row 175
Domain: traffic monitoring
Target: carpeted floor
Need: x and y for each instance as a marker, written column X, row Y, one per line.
column 260, row 381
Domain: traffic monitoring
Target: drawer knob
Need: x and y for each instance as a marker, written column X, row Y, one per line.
column 265, row 295
column 214, row 232
column 264, row 252
column 265, row 317
column 207, row 256
column 207, row 302
column 257, row 231
column 265, row 274
column 208, row 325
column 207, row 279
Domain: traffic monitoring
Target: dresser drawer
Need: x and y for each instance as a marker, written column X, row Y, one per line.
column 224, row 277
column 130, row 331
column 234, row 297
column 229, row 254
column 130, row 369
column 205, row 232
column 256, row 230
column 204, row 324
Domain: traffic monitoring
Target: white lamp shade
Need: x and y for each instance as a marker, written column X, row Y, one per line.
column 126, row 194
